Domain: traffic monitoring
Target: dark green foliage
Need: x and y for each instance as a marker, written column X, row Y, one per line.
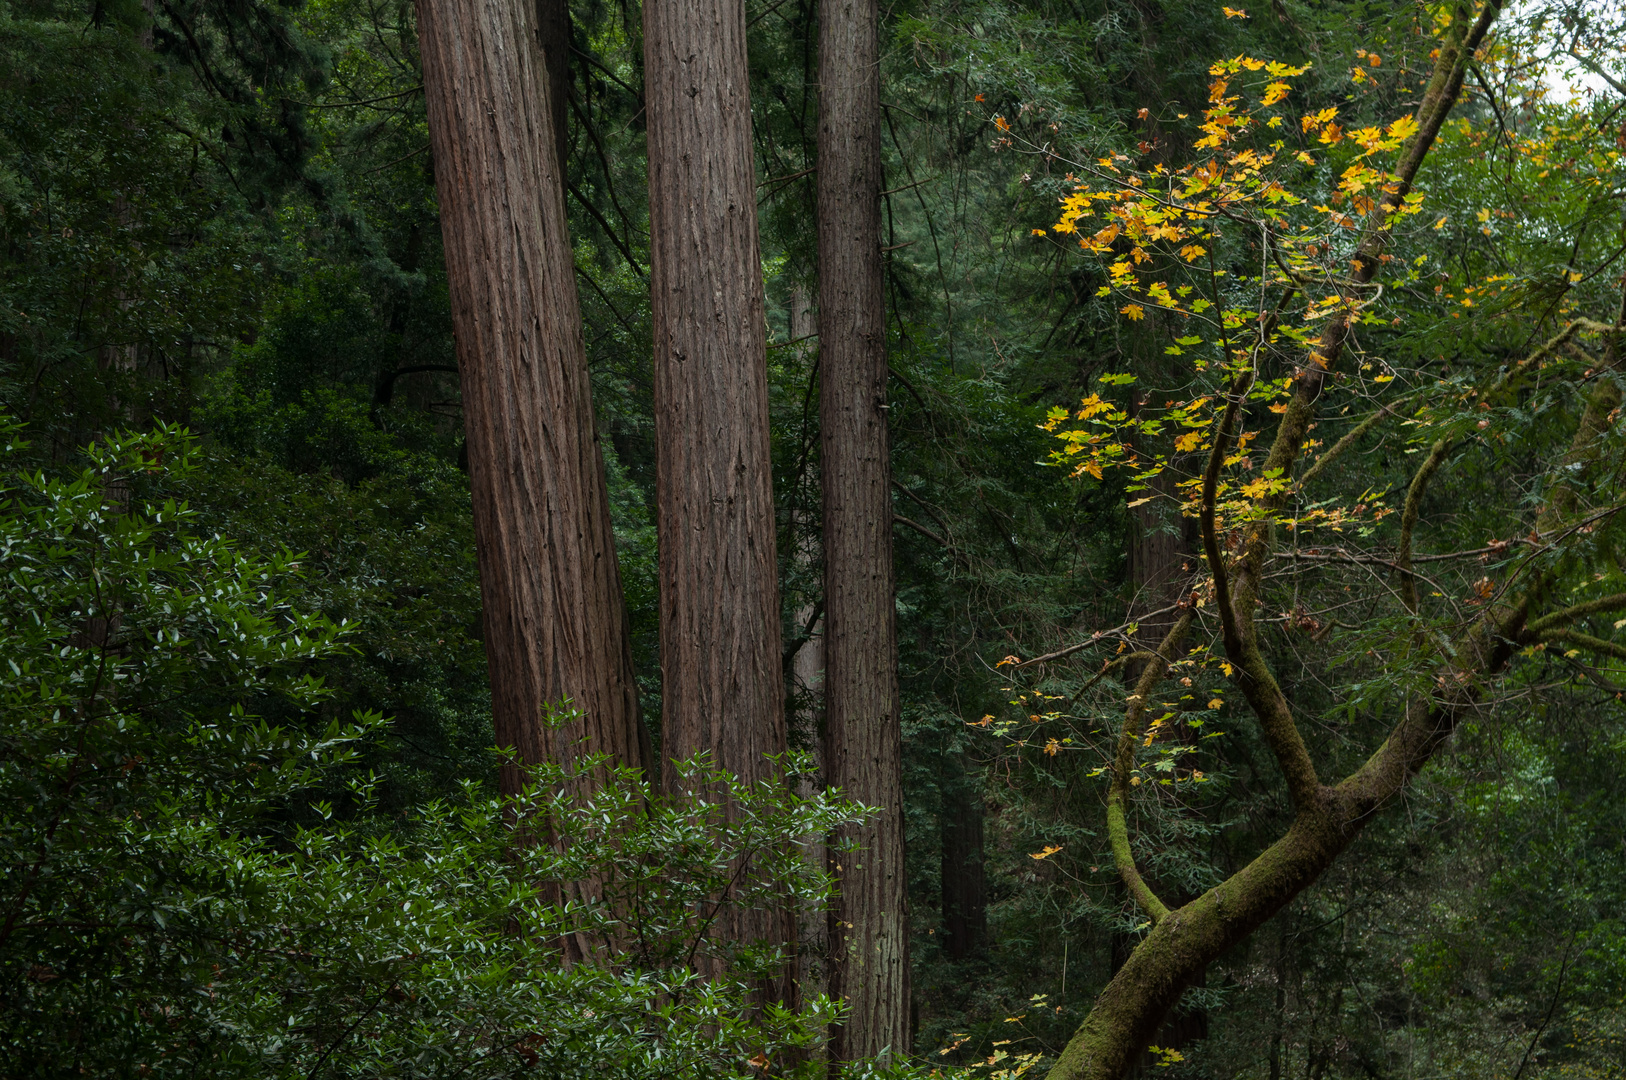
column 160, row 915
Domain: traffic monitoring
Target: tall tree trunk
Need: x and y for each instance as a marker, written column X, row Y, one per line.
column 722, row 670
column 869, row 941
column 553, row 613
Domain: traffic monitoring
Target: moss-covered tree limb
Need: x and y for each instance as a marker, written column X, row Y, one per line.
column 1123, row 767
column 1186, row 939
column 1587, row 642
column 1240, row 633
column 1442, row 447
column 1611, row 603
column 1342, row 446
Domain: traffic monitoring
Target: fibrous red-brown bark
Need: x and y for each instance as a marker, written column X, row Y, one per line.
column 553, row 611
column 722, row 684
column 869, row 927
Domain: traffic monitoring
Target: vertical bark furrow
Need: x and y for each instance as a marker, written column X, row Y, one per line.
column 869, row 943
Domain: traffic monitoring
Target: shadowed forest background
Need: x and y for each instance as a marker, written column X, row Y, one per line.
column 245, row 719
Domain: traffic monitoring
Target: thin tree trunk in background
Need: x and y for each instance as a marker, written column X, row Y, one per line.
column 721, row 663
column 963, row 882
column 553, row 613
column 807, row 685
column 869, row 928
column 1162, row 543
column 553, row 35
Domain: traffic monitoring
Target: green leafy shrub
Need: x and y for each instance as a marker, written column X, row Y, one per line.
column 175, row 900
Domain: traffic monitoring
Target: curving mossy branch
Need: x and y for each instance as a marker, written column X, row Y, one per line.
column 1123, row 767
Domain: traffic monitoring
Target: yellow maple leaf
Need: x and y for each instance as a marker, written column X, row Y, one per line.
column 1368, row 137
column 1091, row 406
column 1234, row 13
column 1275, row 92
column 1315, row 120
column 1049, row 850
column 1133, row 311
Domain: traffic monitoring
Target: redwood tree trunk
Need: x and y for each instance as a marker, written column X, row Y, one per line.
column 722, row 671
column 553, row 614
column 869, row 940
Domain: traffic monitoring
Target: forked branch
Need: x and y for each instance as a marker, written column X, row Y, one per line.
column 1126, row 1015
column 1252, row 672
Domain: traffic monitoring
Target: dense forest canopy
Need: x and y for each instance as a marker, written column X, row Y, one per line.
column 739, row 538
